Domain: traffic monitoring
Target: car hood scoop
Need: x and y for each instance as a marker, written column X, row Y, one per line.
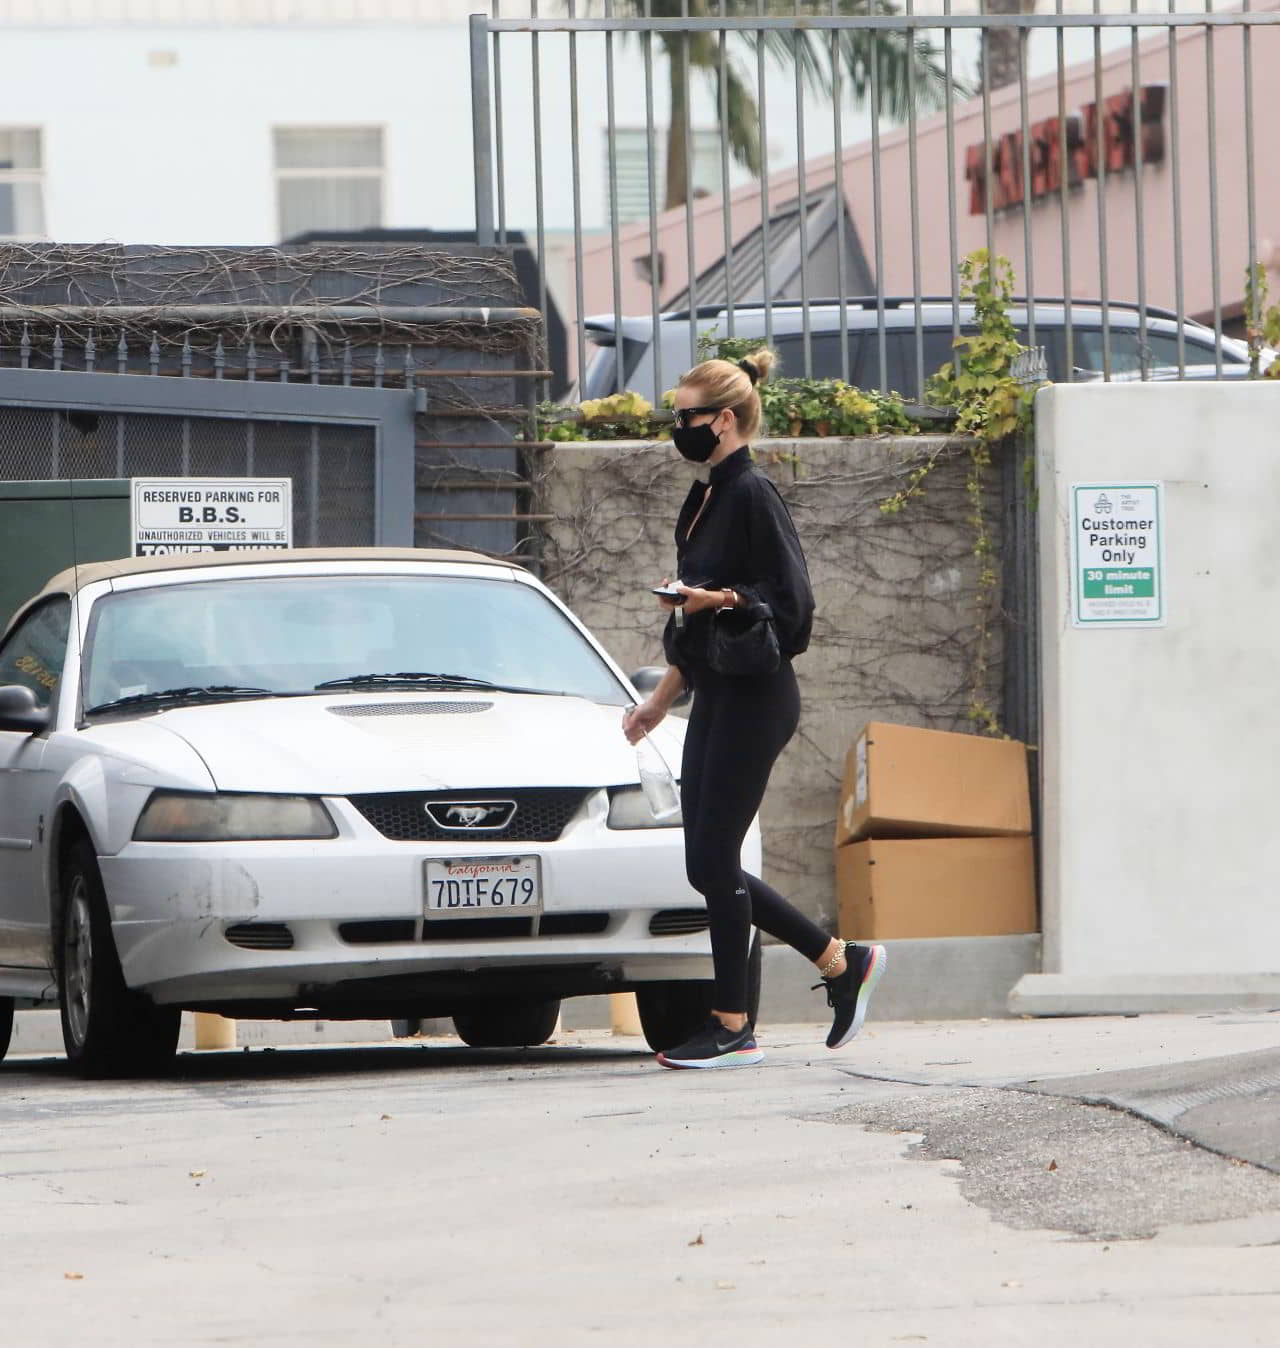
column 361, row 709
column 316, row 746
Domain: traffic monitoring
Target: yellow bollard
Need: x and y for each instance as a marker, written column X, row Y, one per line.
column 214, row 1031
column 624, row 1015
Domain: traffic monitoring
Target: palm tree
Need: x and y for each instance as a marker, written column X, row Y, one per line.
column 858, row 50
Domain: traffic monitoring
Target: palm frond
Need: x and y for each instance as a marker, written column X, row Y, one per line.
column 743, row 125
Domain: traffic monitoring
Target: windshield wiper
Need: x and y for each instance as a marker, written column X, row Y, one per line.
column 214, row 692
column 406, row 676
column 422, row 679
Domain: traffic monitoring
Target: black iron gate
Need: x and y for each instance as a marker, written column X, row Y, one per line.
column 349, row 451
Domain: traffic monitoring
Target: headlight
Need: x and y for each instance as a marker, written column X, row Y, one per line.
column 177, row 816
column 628, row 808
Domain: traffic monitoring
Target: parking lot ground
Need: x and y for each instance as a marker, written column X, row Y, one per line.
column 928, row 1184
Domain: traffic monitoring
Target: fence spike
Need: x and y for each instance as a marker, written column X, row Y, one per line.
column 251, row 361
column 410, row 368
column 122, row 354
column 24, row 348
column 312, row 358
column 346, row 361
column 154, row 353
column 186, row 355
column 379, row 366
column 90, row 352
column 219, row 359
column 57, row 348
column 284, row 368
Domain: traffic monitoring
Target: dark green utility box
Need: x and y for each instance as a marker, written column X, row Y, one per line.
column 39, row 535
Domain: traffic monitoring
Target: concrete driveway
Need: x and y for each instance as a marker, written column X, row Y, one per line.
column 431, row 1194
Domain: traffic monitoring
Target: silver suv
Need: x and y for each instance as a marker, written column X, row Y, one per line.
column 1131, row 356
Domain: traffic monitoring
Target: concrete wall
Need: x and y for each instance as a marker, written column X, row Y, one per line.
column 1162, row 746
column 896, row 623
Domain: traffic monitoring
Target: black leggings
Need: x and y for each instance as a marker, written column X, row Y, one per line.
column 737, row 729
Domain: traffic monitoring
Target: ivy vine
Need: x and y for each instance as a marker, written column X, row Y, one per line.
column 990, row 405
column 1262, row 325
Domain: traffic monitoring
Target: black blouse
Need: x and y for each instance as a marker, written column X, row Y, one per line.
column 743, row 540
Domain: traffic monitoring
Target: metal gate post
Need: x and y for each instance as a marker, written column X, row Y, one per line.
column 481, row 130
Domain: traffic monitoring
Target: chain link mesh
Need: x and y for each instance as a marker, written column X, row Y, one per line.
column 42, row 444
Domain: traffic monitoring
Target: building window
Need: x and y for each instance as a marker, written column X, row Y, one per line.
column 328, row 177
column 633, row 170
column 21, row 183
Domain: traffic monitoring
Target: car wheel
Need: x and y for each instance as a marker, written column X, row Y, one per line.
column 6, row 1024
column 671, row 1012
column 507, row 1024
column 107, row 1029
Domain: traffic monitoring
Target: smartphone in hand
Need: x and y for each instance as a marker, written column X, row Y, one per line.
column 670, row 592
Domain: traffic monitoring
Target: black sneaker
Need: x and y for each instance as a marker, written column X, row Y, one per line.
column 849, row 993
column 715, row 1046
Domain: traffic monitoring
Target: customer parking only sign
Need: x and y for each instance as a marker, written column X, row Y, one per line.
column 212, row 514
column 1117, row 554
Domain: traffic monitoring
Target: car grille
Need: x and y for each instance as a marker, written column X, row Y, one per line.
column 410, row 709
column 678, row 921
column 260, row 936
column 393, row 930
column 540, row 815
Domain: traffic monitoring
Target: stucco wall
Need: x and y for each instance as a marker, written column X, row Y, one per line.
column 1162, row 746
column 896, row 622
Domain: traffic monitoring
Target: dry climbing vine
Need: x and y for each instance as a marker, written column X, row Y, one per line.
column 325, row 309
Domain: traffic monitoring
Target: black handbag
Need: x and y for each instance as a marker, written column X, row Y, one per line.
column 744, row 642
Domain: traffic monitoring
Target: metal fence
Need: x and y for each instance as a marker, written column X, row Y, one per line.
column 89, row 408
column 1111, row 157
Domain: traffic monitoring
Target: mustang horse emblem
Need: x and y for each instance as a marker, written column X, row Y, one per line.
column 494, row 814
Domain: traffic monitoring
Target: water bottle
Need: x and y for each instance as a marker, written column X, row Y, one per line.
column 656, row 781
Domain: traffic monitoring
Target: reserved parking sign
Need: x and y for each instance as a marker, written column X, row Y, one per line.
column 219, row 514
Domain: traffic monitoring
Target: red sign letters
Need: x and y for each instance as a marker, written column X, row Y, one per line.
column 1120, row 150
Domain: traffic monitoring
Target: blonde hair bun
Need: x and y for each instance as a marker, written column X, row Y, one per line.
column 764, row 360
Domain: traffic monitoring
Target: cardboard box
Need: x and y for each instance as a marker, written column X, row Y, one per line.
column 901, row 782
column 900, row 888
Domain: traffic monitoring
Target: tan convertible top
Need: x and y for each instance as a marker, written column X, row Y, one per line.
column 73, row 578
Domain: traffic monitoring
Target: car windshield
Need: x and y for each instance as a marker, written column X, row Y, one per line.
column 289, row 633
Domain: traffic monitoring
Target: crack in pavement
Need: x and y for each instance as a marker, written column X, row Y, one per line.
column 1050, row 1161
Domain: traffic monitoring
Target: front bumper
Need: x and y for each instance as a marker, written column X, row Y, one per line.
column 172, row 905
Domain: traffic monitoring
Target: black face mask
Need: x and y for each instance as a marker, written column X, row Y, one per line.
column 695, row 443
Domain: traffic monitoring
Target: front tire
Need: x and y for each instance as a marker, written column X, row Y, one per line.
column 670, row 1012
column 107, row 1029
column 6, row 1025
column 508, row 1023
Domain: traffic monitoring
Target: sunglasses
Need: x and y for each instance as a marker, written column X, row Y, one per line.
column 682, row 414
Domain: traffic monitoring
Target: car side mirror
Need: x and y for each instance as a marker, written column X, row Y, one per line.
column 20, row 711
column 645, row 680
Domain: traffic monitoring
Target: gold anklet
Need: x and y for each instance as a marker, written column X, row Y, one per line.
column 825, row 971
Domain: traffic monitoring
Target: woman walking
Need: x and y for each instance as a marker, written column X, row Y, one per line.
column 743, row 572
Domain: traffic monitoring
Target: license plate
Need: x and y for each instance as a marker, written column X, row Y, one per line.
column 483, row 887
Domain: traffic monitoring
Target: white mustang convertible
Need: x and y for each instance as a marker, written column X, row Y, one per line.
column 371, row 782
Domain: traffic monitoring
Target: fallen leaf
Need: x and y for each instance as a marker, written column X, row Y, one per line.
column 726, row 1286
column 1013, row 1282
column 1053, row 1165
column 386, row 1116
column 74, row 1277
column 698, row 1240
column 198, row 1174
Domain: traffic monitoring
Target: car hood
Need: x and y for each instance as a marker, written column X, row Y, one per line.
column 342, row 745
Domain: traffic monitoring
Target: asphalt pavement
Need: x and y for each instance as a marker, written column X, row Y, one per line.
column 957, row 1183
